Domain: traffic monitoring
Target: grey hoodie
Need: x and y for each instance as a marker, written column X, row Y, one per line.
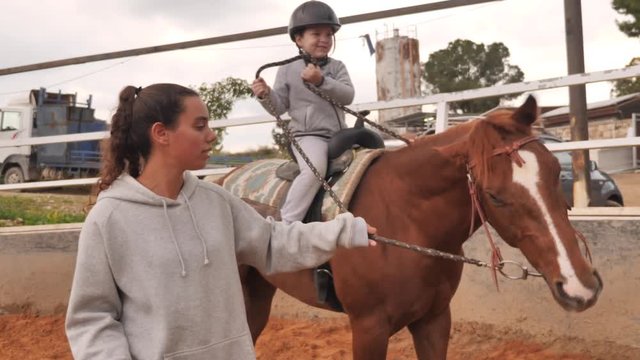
column 310, row 114
column 158, row 278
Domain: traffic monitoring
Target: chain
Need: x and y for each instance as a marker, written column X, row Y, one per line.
column 332, row 101
column 294, row 142
column 420, row 249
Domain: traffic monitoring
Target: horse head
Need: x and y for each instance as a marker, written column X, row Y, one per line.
column 518, row 186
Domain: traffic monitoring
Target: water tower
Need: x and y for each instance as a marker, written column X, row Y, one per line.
column 398, row 73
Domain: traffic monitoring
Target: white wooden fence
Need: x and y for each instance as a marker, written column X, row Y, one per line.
column 440, row 100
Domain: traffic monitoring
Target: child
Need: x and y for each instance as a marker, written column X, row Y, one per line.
column 313, row 119
column 157, row 267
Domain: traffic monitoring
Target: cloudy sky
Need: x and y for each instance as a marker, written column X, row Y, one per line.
column 533, row 30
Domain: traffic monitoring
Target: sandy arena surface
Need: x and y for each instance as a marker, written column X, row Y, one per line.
column 297, row 331
column 310, row 335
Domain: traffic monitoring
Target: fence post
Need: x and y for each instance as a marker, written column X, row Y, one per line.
column 442, row 116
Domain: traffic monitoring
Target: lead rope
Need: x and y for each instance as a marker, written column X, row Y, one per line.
column 381, row 239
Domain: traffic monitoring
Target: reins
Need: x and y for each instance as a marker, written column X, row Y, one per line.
column 497, row 264
column 323, row 95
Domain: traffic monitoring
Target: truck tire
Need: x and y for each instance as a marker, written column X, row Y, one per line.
column 612, row 203
column 13, row 175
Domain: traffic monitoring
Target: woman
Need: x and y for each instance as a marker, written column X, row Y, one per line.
column 156, row 273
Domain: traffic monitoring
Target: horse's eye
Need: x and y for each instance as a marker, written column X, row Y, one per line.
column 494, row 199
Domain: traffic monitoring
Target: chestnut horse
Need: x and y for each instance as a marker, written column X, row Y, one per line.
column 419, row 195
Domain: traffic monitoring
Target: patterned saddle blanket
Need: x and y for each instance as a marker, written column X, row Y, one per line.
column 257, row 184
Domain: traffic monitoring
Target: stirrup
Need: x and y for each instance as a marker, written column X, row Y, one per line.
column 322, row 279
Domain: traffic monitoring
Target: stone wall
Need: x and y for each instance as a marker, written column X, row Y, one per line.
column 598, row 129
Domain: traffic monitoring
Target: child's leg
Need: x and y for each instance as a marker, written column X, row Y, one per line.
column 306, row 185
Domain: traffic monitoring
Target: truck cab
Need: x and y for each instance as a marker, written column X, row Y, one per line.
column 15, row 123
column 48, row 114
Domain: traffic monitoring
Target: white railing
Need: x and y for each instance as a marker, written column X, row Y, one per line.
column 440, row 100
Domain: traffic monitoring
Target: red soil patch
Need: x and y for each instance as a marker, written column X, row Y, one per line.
column 27, row 337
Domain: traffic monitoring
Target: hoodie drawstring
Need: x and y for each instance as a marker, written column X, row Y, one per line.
column 173, row 237
column 195, row 225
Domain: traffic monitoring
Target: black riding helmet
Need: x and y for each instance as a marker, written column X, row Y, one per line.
column 312, row 13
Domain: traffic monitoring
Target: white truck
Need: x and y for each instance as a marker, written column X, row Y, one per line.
column 48, row 114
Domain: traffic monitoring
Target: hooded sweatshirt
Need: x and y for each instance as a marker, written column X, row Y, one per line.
column 157, row 278
column 311, row 114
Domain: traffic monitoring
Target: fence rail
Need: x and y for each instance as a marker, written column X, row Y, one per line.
column 440, row 100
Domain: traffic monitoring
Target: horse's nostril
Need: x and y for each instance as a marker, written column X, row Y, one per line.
column 560, row 289
column 597, row 276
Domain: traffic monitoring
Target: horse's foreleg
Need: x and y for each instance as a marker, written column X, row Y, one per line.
column 431, row 335
column 258, row 294
column 370, row 338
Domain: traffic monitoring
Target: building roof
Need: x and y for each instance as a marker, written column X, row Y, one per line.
column 619, row 107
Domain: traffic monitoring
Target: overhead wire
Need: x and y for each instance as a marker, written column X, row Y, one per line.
column 231, row 49
column 74, row 78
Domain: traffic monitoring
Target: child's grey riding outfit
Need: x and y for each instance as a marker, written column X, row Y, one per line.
column 313, row 119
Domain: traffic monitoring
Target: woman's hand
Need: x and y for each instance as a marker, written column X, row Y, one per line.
column 312, row 75
column 260, row 88
column 371, row 231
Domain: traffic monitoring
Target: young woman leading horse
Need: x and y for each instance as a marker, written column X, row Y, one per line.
column 421, row 195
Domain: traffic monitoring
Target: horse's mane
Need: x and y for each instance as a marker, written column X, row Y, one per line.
column 479, row 138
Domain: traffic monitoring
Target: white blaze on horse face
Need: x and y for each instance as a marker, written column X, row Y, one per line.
column 529, row 177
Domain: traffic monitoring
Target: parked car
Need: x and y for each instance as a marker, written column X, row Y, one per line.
column 604, row 191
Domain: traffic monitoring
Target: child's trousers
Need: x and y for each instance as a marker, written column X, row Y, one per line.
column 305, row 186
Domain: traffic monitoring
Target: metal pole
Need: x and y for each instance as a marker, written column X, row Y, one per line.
column 235, row 37
column 634, row 132
column 577, row 103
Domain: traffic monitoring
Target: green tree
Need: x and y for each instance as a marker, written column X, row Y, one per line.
column 628, row 85
column 628, row 8
column 631, row 28
column 281, row 141
column 465, row 65
column 219, row 98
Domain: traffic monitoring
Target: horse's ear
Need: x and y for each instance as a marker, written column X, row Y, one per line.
column 528, row 112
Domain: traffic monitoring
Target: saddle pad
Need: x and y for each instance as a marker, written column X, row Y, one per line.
column 347, row 183
column 257, row 182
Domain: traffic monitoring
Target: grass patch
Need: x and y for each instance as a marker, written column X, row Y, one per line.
column 39, row 210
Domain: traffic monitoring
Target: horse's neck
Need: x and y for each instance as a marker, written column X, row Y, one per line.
column 426, row 182
column 429, row 168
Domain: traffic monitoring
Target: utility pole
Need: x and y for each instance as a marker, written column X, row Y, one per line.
column 577, row 103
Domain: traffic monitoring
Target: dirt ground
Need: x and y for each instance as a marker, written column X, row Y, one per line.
column 25, row 337
column 297, row 331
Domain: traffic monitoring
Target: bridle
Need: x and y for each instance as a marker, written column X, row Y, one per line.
column 497, row 262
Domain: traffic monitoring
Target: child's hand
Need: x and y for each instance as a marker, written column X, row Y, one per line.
column 260, row 88
column 312, row 75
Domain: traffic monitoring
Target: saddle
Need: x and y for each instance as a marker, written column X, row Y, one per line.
column 340, row 152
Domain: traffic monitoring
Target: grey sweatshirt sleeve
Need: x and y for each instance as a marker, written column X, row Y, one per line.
column 271, row 246
column 339, row 87
column 92, row 325
column 279, row 94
